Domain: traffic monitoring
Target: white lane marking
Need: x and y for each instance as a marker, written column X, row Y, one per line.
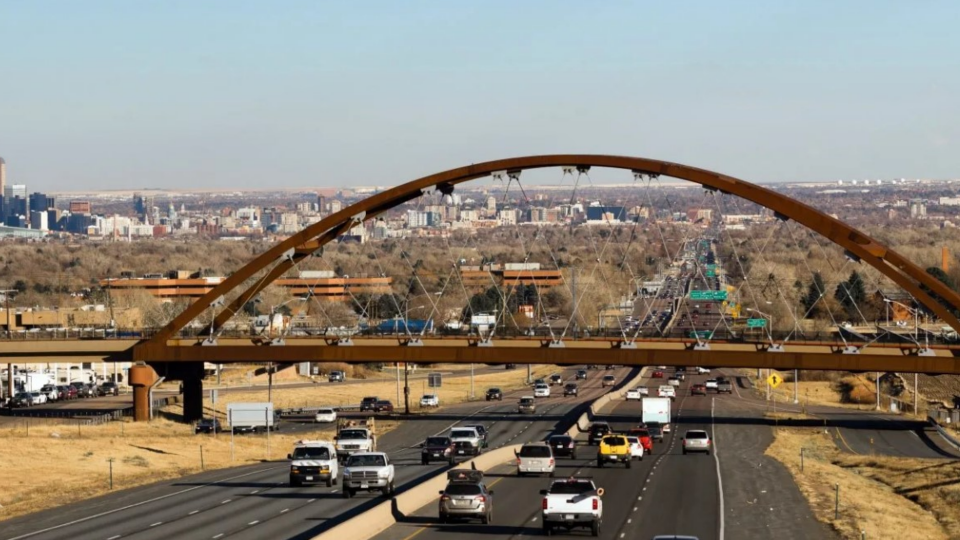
column 254, row 492
column 157, row 523
column 285, row 510
column 141, row 503
column 226, row 501
column 254, row 522
column 194, row 512
column 114, row 537
column 218, row 536
column 311, row 500
column 716, row 458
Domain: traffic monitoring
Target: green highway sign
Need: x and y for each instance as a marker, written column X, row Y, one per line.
column 711, row 273
column 711, row 267
column 756, row 323
column 708, row 295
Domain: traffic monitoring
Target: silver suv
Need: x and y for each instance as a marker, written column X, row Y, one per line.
column 527, row 405
column 696, row 440
column 535, row 458
column 466, row 496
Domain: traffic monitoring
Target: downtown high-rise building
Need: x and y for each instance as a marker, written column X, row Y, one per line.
column 3, row 176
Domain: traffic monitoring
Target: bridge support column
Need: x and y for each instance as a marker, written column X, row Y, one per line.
column 142, row 378
column 193, row 392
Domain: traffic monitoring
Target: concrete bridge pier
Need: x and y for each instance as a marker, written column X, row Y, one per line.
column 142, row 378
column 190, row 374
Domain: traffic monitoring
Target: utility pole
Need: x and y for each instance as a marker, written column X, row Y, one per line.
column 878, row 390
column 406, row 388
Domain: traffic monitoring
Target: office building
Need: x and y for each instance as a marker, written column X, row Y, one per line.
column 3, row 176
column 80, row 207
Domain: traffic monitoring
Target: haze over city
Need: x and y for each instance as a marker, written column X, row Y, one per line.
column 118, row 95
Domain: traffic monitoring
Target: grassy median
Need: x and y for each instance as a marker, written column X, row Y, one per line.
column 880, row 496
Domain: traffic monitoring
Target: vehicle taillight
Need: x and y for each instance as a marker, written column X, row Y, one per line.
column 445, row 498
column 482, row 499
column 571, row 445
column 596, row 504
column 518, row 461
column 544, row 503
column 551, row 461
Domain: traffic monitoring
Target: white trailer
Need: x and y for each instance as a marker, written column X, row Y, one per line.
column 657, row 410
column 251, row 417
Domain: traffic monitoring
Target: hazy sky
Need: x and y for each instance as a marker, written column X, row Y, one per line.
column 127, row 94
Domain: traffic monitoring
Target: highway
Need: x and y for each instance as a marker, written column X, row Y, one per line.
column 255, row 501
column 666, row 493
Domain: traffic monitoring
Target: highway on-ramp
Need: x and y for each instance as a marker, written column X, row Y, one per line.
column 256, row 501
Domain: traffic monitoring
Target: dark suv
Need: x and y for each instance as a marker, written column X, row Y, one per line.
column 369, row 403
column 571, row 389
column 581, row 374
column 436, row 449
column 208, row 425
column 597, row 431
column 563, row 445
column 494, row 393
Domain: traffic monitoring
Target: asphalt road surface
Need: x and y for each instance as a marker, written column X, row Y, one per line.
column 255, row 502
column 666, row 493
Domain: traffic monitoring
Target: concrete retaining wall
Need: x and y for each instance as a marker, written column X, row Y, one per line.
column 583, row 422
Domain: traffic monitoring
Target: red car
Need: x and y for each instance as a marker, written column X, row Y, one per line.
column 658, row 374
column 383, row 406
column 698, row 390
column 645, row 440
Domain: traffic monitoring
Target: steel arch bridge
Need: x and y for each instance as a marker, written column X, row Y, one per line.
column 165, row 346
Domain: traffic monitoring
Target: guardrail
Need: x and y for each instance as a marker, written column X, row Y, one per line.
column 943, row 432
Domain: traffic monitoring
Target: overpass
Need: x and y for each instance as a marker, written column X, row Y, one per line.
column 178, row 350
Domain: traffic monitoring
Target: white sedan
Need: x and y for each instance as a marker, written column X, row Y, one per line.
column 541, row 390
column 636, row 448
column 325, row 416
column 644, row 391
column 633, row 394
column 430, row 400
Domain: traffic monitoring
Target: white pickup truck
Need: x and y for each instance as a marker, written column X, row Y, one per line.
column 572, row 503
column 352, row 438
column 368, row 471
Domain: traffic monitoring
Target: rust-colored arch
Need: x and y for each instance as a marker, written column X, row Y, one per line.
column 890, row 263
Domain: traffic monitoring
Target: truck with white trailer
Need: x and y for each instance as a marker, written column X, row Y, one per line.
column 656, row 411
column 252, row 417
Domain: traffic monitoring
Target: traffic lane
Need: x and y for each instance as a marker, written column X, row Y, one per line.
column 761, row 499
column 282, row 518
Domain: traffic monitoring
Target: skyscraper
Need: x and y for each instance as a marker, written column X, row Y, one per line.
column 3, row 176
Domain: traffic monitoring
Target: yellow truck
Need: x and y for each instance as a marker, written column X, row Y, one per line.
column 615, row 448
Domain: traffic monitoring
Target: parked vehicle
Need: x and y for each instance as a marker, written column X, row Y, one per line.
column 109, row 388
column 696, row 440
column 23, row 399
column 614, row 448
column 563, row 445
column 368, row 403
column 436, row 449
column 207, row 425
column 368, row 471
column 67, row 392
column 466, row 496
column 572, row 503
column 494, row 393
column 313, row 461
column 38, row 397
column 430, row 400
column 325, row 416
column 535, row 458
column 51, row 392
column 527, row 405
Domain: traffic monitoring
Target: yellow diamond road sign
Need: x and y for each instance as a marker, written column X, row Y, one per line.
column 774, row 380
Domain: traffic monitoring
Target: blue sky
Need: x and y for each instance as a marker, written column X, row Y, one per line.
column 173, row 94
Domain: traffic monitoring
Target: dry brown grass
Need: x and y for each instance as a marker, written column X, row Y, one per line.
column 849, row 392
column 454, row 390
column 76, row 464
column 866, row 504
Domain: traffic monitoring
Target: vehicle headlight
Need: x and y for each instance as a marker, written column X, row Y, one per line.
column 383, row 474
column 346, row 472
column 294, row 470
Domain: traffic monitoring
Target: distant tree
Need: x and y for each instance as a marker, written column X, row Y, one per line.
column 850, row 294
column 815, row 290
column 942, row 277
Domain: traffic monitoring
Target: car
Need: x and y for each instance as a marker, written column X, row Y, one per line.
column 325, row 415
column 633, row 395
column 436, row 449
column 527, row 405
column 571, row 389
column 541, row 390
column 615, row 448
column 667, row 391
column 466, row 497
column 67, row 392
column 22, row 399
column 711, row 384
column 38, row 397
column 337, row 376
column 535, row 458
column 724, row 387
column 109, row 388
column 608, row 380
column 563, row 445
column 468, row 434
column 673, row 382
column 382, row 405
column 570, row 503
column 368, row 471
column 581, row 374
column 207, row 425
column 643, row 434
column 494, row 393
column 510, row 366
column 636, row 447
column 556, row 379
column 481, row 430
column 679, row 375
column 656, row 431
column 313, row 462
column 657, row 374
column 703, row 371
column 644, row 391
column 368, row 403
column 430, row 400
column 696, row 440
column 698, row 390
column 51, row 392
column 597, row 431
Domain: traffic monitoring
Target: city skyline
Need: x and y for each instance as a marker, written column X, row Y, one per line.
column 305, row 94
